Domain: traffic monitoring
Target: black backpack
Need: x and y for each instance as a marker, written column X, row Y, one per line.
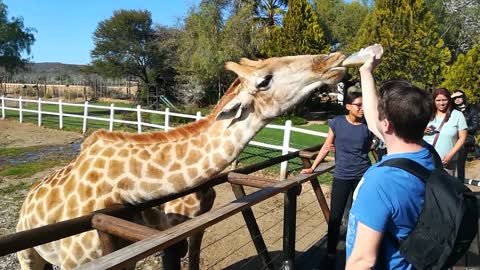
column 447, row 224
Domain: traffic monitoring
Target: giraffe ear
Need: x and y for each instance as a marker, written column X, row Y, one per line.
column 236, row 107
column 243, row 72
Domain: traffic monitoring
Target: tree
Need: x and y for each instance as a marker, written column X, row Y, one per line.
column 459, row 22
column 15, row 39
column 340, row 21
column 200, row 58
column 413, row 50
column 464, row 74
column 300, row 33
column 125, row 46
column 240, row 34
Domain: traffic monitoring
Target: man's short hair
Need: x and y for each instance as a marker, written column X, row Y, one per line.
column 407, row 107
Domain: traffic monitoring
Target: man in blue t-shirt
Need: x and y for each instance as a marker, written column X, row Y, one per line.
column 388, row 201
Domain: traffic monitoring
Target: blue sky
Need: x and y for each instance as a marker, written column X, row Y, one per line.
column 65, row 27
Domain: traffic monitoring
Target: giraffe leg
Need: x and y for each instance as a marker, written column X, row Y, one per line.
column 29, row 259
column 194, row 244
column 173, row 254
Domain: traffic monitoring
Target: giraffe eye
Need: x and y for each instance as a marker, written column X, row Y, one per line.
column 265, row 83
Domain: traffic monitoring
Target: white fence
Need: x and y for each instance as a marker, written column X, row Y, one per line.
column 284, row 147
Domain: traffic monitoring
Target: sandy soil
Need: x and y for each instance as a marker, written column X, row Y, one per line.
column 14, row 134
column 226, row 245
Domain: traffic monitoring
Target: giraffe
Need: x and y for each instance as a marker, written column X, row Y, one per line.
column 118, row 167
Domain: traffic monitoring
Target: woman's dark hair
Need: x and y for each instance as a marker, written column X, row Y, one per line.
column 350, row 97
column 446, row 93
column 408, row 108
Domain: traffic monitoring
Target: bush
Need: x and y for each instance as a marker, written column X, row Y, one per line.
column 192, row 110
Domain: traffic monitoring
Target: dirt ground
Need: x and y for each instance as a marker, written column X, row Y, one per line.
column 226, row 245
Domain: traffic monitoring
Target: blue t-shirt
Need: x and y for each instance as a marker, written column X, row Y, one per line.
column 448, row 133
column 389, row 200
column 352, row 143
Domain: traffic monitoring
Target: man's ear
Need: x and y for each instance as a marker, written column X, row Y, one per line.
column 386, row 126
column 236, row 107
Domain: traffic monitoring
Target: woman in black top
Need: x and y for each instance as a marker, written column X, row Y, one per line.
column 471, row 115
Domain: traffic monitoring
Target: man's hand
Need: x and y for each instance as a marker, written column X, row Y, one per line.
column 375, row 51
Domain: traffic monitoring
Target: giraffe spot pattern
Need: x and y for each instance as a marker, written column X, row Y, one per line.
column 193, row 157
column 136, row 168
column 115, row 168
column 109, row 152
column 93, row 176
column 175, row 167
column 153, row 172
column 126, row 184
column 178, row 181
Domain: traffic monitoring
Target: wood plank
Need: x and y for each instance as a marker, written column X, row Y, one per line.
column 250, row 180
column 147, row 247
column 312, row 155
column 122, row 228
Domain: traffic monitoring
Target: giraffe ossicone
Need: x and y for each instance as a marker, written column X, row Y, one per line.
column 117, row 167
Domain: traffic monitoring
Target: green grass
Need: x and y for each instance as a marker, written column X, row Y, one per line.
column 14, row 188
column 29, row 168
column 11, row 152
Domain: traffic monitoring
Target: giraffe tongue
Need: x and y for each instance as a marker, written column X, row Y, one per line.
column 359, row 58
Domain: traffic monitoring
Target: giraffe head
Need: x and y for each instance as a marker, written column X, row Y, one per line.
column 272, row 86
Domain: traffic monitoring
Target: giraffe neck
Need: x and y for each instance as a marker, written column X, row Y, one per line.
column 148, row 170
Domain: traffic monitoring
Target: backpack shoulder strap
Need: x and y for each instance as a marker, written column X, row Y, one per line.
column 435, row 156
column 408, row 165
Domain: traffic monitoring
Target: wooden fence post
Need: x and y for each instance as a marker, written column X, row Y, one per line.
column 199, row 116
column 39, row 107
column 139, row 119
column 167, row 118
column 85, row 115
column 285, row 148
column 20, row 107
column 60, row 114
column 3, row 107
column 112, row 112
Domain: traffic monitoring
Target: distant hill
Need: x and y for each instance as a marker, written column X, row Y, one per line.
column 54, row 68
column 51, row 72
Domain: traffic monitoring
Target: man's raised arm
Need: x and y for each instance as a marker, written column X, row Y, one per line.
column 369, row 90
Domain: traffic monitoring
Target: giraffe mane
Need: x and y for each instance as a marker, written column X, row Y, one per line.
column 187, row 130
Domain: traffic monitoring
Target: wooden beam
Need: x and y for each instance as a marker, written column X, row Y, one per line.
column 149, row 246
column 254, row 230
column 250, row 180
column 122, row 228
column 318, row 190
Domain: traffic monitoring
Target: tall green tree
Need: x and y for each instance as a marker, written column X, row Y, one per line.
column 464, row 74
column 15, row 39
column 200, row 58
column 459, row 22
column 300, row 33
column 412, row 47
column 125, row 45
column 240, row 34
column 339, row 20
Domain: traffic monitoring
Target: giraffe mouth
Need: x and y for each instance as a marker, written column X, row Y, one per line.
column 337, row 65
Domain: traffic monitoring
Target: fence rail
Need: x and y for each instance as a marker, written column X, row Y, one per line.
column 86, row 115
